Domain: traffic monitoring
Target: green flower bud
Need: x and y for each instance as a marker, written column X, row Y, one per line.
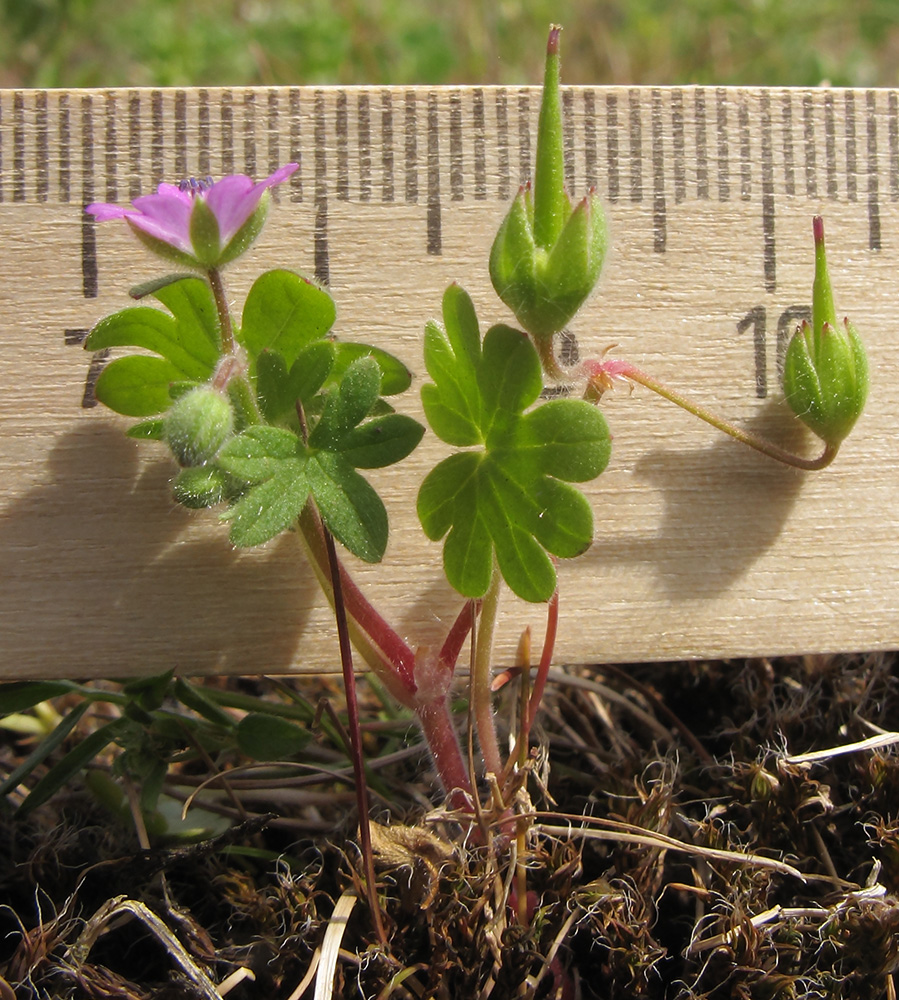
column 825, row 374
column 200, row 486
column 547, row 255
column 197, row 425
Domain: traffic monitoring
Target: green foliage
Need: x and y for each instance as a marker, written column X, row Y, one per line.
column 506, row 498
column 101, row 43
column 283, row 471
column 269, row 470
column 285, row 312
column 264, row 737
column 161, row 720
column 188, row 343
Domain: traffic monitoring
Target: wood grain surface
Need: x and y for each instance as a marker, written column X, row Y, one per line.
column 702, row 548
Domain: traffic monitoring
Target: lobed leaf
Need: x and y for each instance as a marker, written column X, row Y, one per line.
column 285, row 312
column 138, row 385
column 278, row 388
column 349, row 506
column 189, row 338
column 510, row 499
column 395, row 376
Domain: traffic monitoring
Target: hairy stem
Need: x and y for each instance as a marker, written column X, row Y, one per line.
column 221, row 304
column 624, row 369
column 349, row 681
column 392, row 659
column 481, row 698
column 437, row 725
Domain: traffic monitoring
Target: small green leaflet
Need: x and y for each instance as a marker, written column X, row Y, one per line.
column 187, row 343
column 506, row 498
column 282, row 472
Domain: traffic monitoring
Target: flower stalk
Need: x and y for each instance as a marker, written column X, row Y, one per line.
column 601, row 373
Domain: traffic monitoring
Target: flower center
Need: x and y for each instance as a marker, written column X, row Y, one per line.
column 196, row 185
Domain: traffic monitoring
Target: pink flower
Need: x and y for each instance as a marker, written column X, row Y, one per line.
column 199, row 223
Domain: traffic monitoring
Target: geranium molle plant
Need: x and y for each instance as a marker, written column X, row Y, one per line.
column 274, row 420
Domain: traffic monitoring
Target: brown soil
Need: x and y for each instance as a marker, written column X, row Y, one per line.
column 627, row 756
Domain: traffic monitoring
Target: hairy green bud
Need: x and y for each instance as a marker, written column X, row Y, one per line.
column 198, row 424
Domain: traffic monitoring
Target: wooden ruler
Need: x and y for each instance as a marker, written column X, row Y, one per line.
column 702, row 548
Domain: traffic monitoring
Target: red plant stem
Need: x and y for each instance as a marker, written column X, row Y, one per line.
column 624, row 369
column 221, row 305
column 549, row 644
column 393, row 661
column 349, row 681
column 457, row 634
column 388, row 655
column 437, row 726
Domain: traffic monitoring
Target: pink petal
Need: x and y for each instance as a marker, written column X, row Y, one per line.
column 166, row 216
column 232, row 200
column 103, row 211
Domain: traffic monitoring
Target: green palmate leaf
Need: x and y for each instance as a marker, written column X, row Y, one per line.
column 285, row 312
column 281, row 472
column 506, row 499
column 137, row 386
column 381, row 441
column 348, row 405
column 452, row 357
column 395, row 376
column 189, row 338
column 349, row 506
column 269, row 508
column 278, row 388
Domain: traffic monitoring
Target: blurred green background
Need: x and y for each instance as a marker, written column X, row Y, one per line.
column 91, row 43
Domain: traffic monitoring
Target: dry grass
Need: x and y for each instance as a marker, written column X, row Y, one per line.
column 663, row 842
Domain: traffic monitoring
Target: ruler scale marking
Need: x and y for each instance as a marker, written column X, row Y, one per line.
column 363, row 113
column 874, row 239
column 701, row 149
column 524, row 137
column 808, row 135
column 680, row 146
column 786, row 119
column 659, row 215
column 851, row 148
column 769, row 250
column 635, row 148
column 111, row 149
column 434, row 221
column 479, row 123
column 322, row 269
column 387, row 158
column 296, row 147
column 721, row 127
column 830, row 146
column 568, row 139
column 457, row 167
column 343, row 168
column 42, row 151
column 613, row 152
column 654, row 154
column 273, row 120
column 249, row 134
column 591, row 175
